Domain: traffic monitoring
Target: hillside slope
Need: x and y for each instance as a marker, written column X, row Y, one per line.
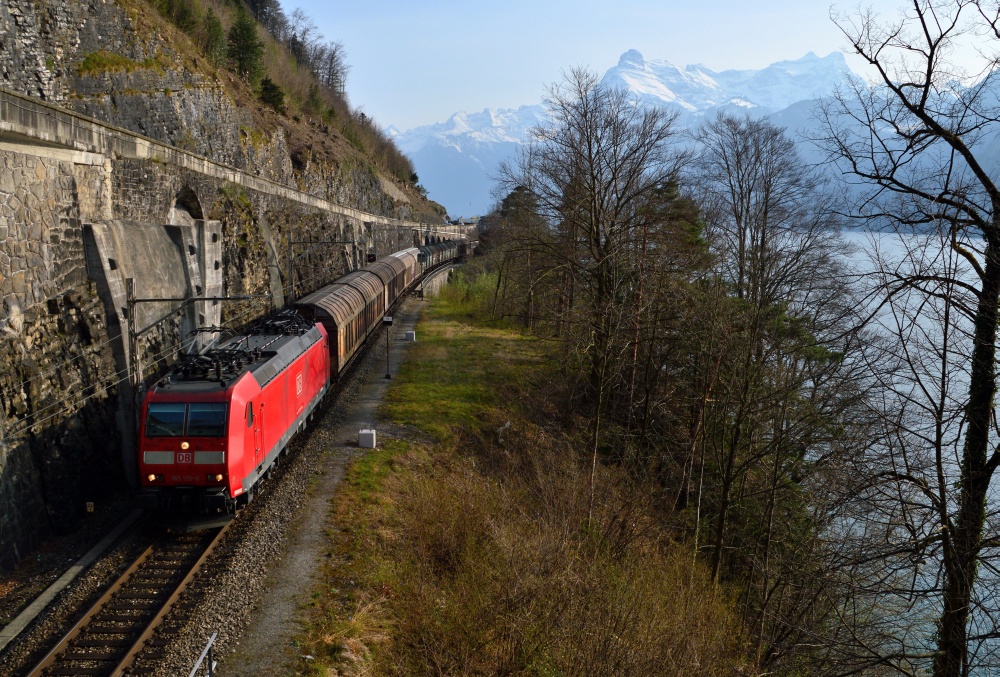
column 122, row 63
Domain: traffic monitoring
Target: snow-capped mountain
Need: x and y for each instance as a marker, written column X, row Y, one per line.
column 500, row 126
column 696, row 89
column 786, row 82
column 457, row 159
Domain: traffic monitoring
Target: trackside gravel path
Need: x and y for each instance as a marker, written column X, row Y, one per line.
column 266, row 647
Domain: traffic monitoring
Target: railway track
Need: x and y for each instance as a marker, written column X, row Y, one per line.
column 117, row 627
column 119, row 639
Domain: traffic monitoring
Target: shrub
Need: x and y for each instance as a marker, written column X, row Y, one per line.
column 482, row 551
column 272, row 95
column 103, row 61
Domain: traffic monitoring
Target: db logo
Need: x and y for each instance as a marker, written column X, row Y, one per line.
column 185, row 457
column 298, row 384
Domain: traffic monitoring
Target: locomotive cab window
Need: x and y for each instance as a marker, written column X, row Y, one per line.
column 165, row 419
column 175, row 419
column 206, row 419
column 249, row 414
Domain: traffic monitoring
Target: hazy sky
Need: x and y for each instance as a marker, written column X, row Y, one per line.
column 415, row 63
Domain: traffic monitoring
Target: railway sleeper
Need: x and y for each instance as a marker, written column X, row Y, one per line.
column 156, row 584
column 144, row 596
column 144, row 606
column 115, row 630
column 86, row 656
column 178, row 552
column 103, row 643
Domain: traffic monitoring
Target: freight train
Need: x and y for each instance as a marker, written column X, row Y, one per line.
column 216, row 424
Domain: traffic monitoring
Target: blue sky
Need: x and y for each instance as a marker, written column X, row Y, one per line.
column 416, row 63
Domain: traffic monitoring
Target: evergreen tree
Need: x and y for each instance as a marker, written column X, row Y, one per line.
column 214, row 40
column 314, row 101
column 246, row 51
column 272, row 95
column 181, row 12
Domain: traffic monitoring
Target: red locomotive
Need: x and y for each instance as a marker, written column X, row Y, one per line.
column 215, row 425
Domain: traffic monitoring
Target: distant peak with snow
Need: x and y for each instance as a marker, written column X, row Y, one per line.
column 456, row 158
column 488, row 126
column 696, row 89
column 631, row 58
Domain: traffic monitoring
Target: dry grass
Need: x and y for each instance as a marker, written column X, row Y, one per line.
column 502, row 574
column 479, row 554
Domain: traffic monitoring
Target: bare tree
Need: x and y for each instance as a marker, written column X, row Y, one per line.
column 590, row 174
column 788, row 388
column 768, row 215
column 915, row 141
column 303, row 38
column 330, row 63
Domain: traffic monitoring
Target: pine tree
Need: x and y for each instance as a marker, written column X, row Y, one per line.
column 214, row 41
column 272, row 95
column 246, row 51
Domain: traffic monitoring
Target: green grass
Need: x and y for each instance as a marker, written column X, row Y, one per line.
column 451, row 376
column 462, row 551
column 103, row 61
column 368, row 472
column 450, row 381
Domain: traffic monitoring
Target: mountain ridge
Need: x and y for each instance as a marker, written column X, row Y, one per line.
column 456, row 158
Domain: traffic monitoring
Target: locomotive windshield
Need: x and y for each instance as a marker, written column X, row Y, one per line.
column 206, row 419
column 176, row 419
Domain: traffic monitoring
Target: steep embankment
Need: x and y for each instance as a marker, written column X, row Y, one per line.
column 121, row 62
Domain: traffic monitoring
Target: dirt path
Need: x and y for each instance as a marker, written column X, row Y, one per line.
column 266, row 648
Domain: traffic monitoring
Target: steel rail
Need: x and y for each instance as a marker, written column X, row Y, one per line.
column 80, row 626
column 75, row 631
column 174, row 596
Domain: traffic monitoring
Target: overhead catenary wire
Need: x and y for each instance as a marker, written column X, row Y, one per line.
column 25, row 424
column 10, row 391
column 109, row 135
column 56, row 367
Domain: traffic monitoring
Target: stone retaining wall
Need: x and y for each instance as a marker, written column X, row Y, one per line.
column 83, row 207
column 149, row 172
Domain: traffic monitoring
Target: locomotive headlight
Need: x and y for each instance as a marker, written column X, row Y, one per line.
column 154, row 478
column 185, row 446
column 216, row 478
